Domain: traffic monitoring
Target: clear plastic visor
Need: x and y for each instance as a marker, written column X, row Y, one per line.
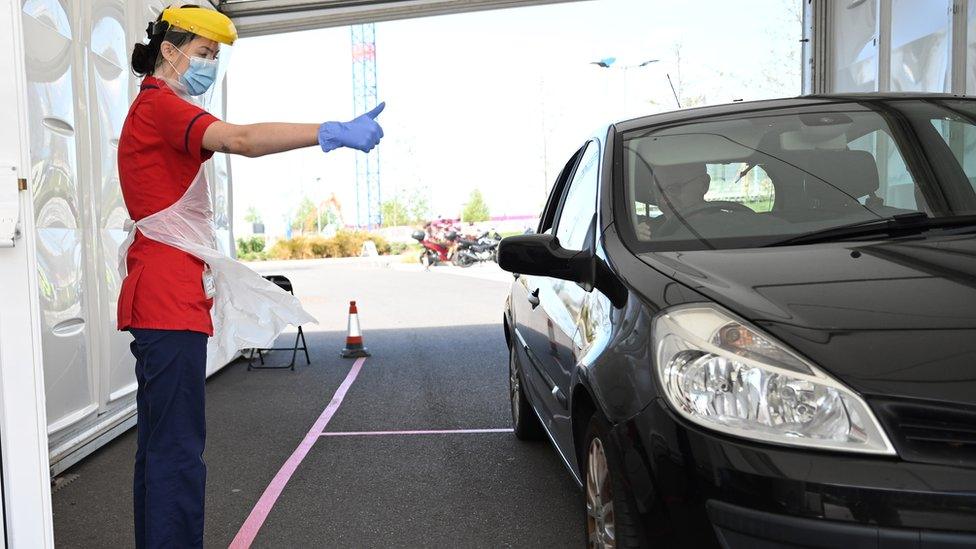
column 191, row 47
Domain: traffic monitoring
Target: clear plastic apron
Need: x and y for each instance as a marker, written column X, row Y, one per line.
column 248, row 310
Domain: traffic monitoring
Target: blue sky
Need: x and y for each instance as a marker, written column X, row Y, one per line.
column 498, row 100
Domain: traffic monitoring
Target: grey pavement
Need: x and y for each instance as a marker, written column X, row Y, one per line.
column 439, row 362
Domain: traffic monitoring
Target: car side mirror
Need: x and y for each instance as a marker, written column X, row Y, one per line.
column 541, row 255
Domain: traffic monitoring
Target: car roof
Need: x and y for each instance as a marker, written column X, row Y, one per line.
column 752, row 106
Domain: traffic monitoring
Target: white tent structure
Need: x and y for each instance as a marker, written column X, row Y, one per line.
column 66, row 382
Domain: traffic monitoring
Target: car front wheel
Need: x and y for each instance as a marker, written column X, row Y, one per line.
column 610, row 522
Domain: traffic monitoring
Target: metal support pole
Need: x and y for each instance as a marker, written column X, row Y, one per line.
column 818, row 59
column 883, row 34
column 364, row 98
column 959, row 46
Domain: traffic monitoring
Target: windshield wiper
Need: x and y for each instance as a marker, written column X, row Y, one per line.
column 907, row 223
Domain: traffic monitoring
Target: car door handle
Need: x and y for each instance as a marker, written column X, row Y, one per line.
column 533, row 298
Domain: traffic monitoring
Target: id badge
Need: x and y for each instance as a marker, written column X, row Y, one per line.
column 209, row 284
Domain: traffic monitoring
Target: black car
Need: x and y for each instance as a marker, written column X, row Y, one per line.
column 754, row 325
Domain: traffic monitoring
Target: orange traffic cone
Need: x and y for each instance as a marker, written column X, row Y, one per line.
column 354, row 338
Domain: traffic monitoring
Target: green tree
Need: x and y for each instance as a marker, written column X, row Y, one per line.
column 305, row 220
column 419, row 206
column 395, row 213
column 476, row 209
column 406, row 208
column 252, row 215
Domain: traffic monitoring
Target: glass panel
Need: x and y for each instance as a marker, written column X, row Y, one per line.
column 920, row 45
column 960, row 134
column 548, row 218
column 895, row 184
column 855, row 46
column 819, row 167
column 580, row 202
column 742, row 182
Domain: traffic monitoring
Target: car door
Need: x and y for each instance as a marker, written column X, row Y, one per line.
column 562, row 300
column 531, row 323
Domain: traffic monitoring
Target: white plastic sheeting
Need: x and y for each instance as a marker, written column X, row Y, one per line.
column 79, row 87
column 920, row 45
column 249, row 312
column 855, row 47
column 890, row 45
column 56, row 75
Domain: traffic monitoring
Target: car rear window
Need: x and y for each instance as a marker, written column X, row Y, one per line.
column 759, row 177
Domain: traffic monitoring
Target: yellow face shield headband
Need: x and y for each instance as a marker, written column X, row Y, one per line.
column 209, row 24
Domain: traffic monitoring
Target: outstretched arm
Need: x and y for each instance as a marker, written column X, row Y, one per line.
column 254, row 140
column 259, row 139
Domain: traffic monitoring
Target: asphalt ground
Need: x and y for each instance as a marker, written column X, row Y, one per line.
column 439, row 363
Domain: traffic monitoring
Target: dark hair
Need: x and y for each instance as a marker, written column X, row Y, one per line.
column 145, row 57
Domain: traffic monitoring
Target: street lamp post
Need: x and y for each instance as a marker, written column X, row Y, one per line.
column 611, row 63
column 318, row 215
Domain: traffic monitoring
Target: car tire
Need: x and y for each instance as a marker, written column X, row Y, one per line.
column 525, row 423
column 609, row 517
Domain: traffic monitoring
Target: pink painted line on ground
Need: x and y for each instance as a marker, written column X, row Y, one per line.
column 431, row 432
column 245, row 536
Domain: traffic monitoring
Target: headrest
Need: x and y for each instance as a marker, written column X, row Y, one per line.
column 665, row 175
column 838, row 173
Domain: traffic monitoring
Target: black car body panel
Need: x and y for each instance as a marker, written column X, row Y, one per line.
column 903, row 314
column 893, row 319
column 676, row 469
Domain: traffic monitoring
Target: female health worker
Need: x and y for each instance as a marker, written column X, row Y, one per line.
column 169, row 289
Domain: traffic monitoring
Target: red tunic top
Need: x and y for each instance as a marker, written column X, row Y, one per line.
column 160, row 153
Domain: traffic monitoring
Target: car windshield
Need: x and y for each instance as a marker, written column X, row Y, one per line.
column 764, row 176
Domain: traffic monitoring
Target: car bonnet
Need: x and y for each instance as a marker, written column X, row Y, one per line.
column 888, row 318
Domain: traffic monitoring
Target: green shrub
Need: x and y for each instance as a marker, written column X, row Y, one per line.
column 298, row 247
column 253, row 256
column 346, row 243
column 245, row 246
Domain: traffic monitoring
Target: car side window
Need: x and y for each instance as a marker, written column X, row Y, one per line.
column 960, row 136
column 548, row 218
column 896, row 187
column 579, row 203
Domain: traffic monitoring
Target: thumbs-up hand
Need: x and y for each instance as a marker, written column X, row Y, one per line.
column 362, row 133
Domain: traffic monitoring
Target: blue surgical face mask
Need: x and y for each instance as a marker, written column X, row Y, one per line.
column 199, row 76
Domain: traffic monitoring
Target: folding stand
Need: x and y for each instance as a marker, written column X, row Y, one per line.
column 285, row 284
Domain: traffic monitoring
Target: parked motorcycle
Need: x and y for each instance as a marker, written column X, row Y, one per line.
column 477, row 250
column 435, row 252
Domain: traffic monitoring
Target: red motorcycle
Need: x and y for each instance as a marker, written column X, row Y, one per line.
column 436, row 250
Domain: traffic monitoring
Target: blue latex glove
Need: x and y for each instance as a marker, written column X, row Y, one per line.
column 361, row 134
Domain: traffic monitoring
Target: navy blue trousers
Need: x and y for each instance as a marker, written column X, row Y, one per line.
column 170, row 474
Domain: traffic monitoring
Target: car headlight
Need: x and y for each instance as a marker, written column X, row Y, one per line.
column 723, row 374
